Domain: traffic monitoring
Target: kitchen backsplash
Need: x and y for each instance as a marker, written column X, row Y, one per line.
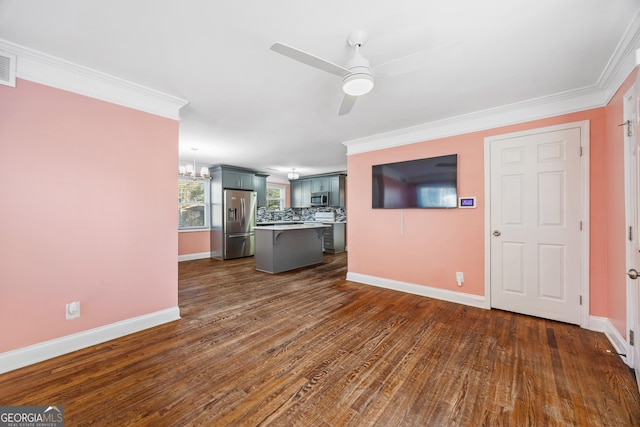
column 297, row 214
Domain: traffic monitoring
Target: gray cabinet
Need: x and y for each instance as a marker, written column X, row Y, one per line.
column 260, row 186
column 301, row 190
column 337, row 191
column 301, row 193
column 296, row 193
column 306, row 193
column 333, row 239
column 320, row 184
column 237, row 179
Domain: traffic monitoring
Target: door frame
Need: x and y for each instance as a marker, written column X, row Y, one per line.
column 631, row 287
column 584, row 209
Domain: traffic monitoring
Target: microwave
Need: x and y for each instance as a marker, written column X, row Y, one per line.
column 320, row 199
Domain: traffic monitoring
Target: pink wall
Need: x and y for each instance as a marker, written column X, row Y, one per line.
column 194, row 242
column 87, row 213
column 429, row 246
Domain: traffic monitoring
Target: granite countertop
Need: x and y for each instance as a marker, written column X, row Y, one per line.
column 291, row 226
column 263, row 223
column 310, row 221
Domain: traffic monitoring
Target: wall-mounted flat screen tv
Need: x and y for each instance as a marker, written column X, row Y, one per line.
column 423, row 183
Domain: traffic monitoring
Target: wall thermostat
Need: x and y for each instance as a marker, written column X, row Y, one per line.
column 467, row 202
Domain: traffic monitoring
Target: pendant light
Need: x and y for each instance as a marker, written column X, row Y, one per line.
column 293, row 174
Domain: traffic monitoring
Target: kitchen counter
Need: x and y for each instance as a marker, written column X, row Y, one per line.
column 310, row 221
column 283, row 247
column 293, row 226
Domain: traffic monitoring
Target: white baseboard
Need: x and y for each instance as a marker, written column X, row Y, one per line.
column 190, row 257
column 604, row 325
column 425, row 291
column 25, row 356
column 597, row 324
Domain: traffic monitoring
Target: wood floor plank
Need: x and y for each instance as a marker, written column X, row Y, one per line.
column 309, row 348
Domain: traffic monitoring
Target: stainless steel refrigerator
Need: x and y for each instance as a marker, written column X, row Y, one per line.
column 239, row 219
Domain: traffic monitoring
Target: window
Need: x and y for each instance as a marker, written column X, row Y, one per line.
column 193, row 198
column 275, row 197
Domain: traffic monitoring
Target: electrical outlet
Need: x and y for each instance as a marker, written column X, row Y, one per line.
column 72, row 310
column 459, row 277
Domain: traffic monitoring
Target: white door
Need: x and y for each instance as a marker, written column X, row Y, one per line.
column 535, row 223
column 632, row 202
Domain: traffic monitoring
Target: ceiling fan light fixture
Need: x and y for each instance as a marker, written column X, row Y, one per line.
column 357, row 84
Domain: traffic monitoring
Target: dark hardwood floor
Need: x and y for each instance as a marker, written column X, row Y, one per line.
column 309, row 348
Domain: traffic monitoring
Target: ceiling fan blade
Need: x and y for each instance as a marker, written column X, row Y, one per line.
column 347, row 104
column 309, row 59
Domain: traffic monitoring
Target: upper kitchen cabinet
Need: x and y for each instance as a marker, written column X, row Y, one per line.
column 337, row 191
column 301, row 190
column 223, row 176
column 260, row 186
column 320, row 184
column 237, row 179
column 300, row 193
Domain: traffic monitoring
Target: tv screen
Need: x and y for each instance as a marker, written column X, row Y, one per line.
column 423, row 183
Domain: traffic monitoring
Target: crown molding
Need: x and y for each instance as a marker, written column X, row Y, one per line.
column 48, row 70
column 534, row 109
column 620, row 65
column 623, row 60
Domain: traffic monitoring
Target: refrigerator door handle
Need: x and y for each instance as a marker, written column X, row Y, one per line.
column 243, row 213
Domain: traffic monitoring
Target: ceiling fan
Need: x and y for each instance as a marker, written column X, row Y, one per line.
column 357, row 75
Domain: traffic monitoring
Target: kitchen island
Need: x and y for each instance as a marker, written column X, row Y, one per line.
column 285, row 247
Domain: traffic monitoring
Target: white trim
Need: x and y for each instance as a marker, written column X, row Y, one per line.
column 602, row 324
column 25, row 356
column 550, row 106
column 193, row 230
column 598, row 324
column 622, row 61
column 487, row 224
column 584, row 208
column 191, row 257
column 598, row 95
column 631, row 287
column 425, row 291
column 51, row 71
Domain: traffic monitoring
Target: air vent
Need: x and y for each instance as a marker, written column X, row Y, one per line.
column 7, row 69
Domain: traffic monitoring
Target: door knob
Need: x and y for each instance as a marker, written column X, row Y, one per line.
column 633, row 273
column 497, row 233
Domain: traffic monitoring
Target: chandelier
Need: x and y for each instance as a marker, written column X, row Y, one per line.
column 189, row 170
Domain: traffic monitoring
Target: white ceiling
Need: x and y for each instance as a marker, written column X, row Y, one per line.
column 251, row 107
